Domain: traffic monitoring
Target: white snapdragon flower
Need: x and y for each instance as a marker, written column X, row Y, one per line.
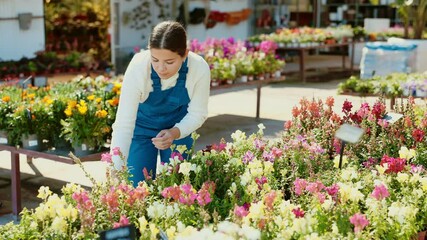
column 228, row 227
column 185, row 168
column 44, row 192
column 156, row 210
column 235, row 162
column 261, row 128
column 172, row 210
column 400, row 212
column 181, row 148
column 268, row 167
column 249, row 233
column 328, row 204
column 349, row 174
column 405, row 153
column 256, row 211
column 59, row 225
column 238, row 136
column 245, row 178
column 423, row 181
column 415, row 178
column 402, row 177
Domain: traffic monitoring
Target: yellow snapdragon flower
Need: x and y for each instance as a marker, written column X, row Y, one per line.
column 406, row 153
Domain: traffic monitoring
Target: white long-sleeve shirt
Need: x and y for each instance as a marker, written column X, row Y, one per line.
column 137, row 85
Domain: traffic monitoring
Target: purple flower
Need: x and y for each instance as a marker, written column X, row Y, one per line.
column 249, row 156
column 268, row 156
column 177, row 154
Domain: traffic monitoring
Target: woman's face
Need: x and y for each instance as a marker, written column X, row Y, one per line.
column 165, row 62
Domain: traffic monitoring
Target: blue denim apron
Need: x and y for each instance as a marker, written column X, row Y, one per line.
column 161, row 110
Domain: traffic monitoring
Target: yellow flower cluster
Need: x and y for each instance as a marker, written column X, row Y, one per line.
column 56, row 210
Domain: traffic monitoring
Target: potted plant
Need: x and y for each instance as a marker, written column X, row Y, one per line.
column 6, row 109
column 86, row 126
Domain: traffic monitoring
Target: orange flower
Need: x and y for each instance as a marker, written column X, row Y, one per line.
column 6, row 99
column 113, row 102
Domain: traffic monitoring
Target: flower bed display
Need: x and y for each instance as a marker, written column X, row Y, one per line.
column 253, row 188
column 305, row 36
column 392, row 85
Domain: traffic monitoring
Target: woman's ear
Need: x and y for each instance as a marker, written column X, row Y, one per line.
column 186, row 54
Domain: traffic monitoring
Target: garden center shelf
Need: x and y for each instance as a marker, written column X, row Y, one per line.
column 303, row 52
column 15, row 173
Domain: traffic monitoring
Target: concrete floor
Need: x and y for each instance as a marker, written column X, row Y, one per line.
column 229, row 110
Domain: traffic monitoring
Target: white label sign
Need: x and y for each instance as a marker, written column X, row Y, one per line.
column 392, row 117
column 33, row 143
column 3, row 140
column 84, row 147
column 349, row 133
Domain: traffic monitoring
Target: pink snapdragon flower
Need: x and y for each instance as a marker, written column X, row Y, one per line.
column 276, row 152
column 359, row 221
column 240, row 211
column 106, row 157
column 380, row 192
column 116, row 151
column 124, row 221
column 300, row 185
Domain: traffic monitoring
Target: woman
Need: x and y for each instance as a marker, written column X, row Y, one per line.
column 164, row 98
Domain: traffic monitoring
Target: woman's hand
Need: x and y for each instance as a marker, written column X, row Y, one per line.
column 165, row 138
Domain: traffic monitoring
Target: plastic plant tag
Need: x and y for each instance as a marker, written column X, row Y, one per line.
column 163, row 235
column 392, row 117
column 33, row 143
column 84, row 147
column 122, row 233
column 3, row 140
column 349, row 133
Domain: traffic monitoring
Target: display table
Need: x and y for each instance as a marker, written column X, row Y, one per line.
column 257, row 83
column 303, row 51
column 15, row 173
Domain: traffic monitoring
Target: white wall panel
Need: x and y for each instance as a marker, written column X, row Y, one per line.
column 16, row 43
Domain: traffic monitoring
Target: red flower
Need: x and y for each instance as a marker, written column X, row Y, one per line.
column 394, row 164
column 418, row 135
column 346, row 107
column 298, row 212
